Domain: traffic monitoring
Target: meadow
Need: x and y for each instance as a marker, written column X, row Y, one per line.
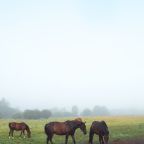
column 121, row 128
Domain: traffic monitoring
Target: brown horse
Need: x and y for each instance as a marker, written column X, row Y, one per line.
column 101, row 129
column 19, row 127
column 66, row 128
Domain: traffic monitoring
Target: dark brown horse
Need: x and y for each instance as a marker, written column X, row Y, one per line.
column 101, row 129
column 66, row 128
column 19, row 127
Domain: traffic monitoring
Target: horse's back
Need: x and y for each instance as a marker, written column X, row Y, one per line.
column 99, row 123
column 17, row 126
column 59, row 128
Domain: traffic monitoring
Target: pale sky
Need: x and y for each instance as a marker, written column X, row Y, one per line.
column 60, row 53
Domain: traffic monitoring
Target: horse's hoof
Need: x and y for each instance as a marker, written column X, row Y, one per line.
column 9, row 137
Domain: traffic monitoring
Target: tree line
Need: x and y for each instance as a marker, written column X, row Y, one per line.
column 6, row 111
column 96, row 111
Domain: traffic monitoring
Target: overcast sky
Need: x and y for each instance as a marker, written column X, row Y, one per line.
column 59, row 53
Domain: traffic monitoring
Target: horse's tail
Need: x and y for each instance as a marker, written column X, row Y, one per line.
column 45, row 129
column 48, row 129
column 28, row 131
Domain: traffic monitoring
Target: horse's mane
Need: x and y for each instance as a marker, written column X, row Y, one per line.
column 73, row 123
column 27, row 128
column 78, row 119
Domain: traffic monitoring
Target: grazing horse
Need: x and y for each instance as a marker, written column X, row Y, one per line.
column 66, row 128
column 101, row 129
column 19, row 127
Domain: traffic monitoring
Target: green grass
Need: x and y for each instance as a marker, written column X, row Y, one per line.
column 120, row 128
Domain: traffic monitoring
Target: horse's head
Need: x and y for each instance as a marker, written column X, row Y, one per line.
column 83, row 127
column 105, row 132
column 105, row 139
column 28, row 131
column 29, row 134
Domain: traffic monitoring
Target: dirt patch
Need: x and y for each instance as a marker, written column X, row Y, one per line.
column 135, row 141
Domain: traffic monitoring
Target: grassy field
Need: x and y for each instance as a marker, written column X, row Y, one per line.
column 120, row 128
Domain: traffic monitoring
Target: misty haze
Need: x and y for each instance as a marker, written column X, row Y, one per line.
column 72, row 72
column 67, row 59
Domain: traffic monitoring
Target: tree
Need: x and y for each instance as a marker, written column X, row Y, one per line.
column 36, row 114
column 18, row 115
column 5, row 110
column 45, row 113
column 75, row 110
column 31, row 114
column 86, row 112
column 100, row 111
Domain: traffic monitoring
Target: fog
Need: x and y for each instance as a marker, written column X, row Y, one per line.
column 65, row 53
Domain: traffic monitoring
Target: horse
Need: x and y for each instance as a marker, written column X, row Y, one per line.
column 99, row 128
column 19, row 127
column 66, row 128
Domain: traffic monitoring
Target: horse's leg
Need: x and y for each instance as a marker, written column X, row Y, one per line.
column 20, row 134
column 50, row 137
column 91, row 134
column 100, row 139
column 10, row 134
column 73, row 138
column 66, row 139
column 23, row 133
